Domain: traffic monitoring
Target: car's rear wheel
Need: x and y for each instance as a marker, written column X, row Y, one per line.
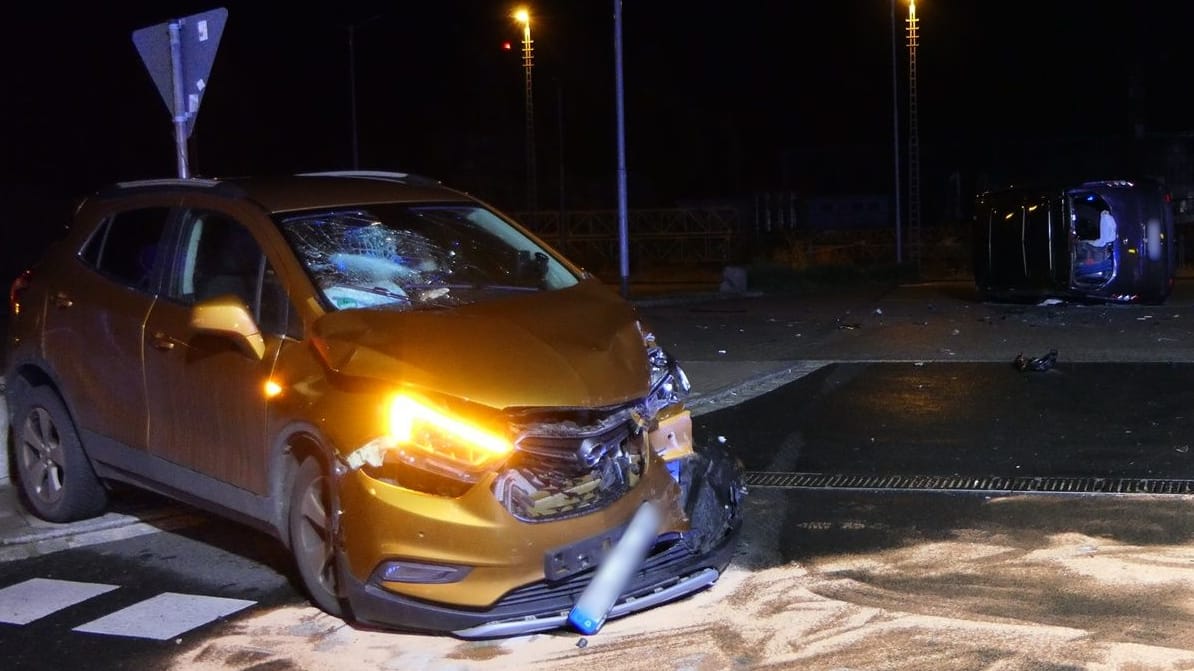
column 55, row 477
column 311, row 540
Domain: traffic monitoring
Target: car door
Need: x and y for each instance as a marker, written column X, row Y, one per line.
column 207, row 404
column 96, row 312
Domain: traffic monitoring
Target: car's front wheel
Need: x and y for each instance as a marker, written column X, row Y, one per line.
column 55, row 477
column 311, row 540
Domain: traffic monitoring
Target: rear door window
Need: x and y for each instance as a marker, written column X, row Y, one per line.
column 126, row 248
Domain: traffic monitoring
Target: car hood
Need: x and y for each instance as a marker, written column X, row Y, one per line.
column 577, row 347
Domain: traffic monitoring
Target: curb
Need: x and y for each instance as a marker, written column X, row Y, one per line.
column 754, row 385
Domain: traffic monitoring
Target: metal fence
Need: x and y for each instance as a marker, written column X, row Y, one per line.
column 723, row 236
column 657, row 237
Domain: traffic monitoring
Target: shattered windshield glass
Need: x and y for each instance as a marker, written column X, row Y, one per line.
column 408, row 257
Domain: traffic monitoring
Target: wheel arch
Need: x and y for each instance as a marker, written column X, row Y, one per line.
column 292, row 447
column 30, row 375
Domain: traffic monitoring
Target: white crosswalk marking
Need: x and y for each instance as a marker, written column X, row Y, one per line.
column 36, row 598
column 164, row 616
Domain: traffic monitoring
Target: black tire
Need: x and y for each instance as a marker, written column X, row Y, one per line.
column 56, row 479
column 311, row 542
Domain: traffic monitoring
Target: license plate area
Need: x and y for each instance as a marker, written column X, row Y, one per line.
column 567, row 561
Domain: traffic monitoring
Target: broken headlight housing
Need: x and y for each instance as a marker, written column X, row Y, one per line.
column 426, row 445
column 669, row 385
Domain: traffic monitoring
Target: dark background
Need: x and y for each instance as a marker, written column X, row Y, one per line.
column 722, row 99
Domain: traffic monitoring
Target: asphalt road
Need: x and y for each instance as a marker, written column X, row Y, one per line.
column 912, row 382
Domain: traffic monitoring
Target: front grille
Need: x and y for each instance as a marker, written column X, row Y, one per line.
column 563, row 468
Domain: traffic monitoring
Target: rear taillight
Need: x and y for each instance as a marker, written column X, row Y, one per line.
column 19, row 286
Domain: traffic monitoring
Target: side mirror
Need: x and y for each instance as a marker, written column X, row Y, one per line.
column 227, row 316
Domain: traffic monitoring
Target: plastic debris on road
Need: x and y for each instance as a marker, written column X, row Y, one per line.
column 1040, row 363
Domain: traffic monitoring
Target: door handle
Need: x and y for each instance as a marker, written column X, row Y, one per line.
column 62, row 299
column 163, row 342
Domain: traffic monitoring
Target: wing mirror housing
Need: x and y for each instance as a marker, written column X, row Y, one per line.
column 227, row 316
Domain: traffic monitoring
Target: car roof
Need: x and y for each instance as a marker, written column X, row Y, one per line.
column 304, row 191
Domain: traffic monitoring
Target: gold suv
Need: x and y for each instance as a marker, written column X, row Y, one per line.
column 451, row 427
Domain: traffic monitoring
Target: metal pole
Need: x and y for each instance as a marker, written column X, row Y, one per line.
column 913, row 138
column 895, row 135
column 180, row 114
column 560, row 142
column 528, row 61
column 352, row 92
column 623, row 227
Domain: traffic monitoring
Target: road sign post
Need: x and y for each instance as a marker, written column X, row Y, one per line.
column 179, row 55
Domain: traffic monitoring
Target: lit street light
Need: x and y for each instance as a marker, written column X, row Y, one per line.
column 913, row 135
column 523, row 16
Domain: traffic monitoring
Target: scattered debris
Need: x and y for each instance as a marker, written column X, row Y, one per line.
column 582, row 642
column 850, row 326
column 1051, row 301
column 1040, row 363
column 721, row 439
column 1182, row 449
column 721, row 351
column 878, row 311
column 1144, row 318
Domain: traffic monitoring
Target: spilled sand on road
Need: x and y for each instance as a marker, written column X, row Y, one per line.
column 991, row 596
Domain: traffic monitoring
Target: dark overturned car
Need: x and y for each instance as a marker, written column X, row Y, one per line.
column 450, row 426
column 1102, row 241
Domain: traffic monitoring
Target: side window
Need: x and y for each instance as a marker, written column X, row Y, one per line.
column 126, row 247
column 220, row 257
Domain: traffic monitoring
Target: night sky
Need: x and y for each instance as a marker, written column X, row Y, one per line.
column 722, row 99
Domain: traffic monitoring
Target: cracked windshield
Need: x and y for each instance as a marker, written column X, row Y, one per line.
column 410, row 257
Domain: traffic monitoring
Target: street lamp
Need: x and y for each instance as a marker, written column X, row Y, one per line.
column 895, row 137
column 913, row 135
column 523, row 16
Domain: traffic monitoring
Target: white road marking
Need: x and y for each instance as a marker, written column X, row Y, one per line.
column 36, row 598
column 164, row 616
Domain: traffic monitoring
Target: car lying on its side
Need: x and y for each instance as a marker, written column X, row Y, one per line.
column 451, row 427
column 1104, row 241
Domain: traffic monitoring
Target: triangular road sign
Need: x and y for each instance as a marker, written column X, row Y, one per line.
column 198, row 41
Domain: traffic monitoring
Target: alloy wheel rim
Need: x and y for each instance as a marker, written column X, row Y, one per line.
column 314, row 542
column 42, row 456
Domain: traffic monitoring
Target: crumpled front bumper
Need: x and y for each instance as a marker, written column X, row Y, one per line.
column 712, row 489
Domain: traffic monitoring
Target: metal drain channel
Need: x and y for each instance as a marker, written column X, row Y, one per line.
column 962, row 483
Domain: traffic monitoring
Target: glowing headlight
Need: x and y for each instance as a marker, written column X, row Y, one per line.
column 425, row 437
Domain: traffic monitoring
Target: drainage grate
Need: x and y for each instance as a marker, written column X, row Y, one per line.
column 962, row 483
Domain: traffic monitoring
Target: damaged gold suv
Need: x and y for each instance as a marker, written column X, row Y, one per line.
column 451, row 427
